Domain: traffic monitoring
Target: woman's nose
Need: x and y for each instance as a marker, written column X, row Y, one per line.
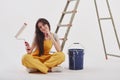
column 43, row 28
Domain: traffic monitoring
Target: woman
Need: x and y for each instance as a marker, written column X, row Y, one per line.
column 38, row 57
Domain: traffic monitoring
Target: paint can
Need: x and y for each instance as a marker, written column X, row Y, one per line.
column 76, row 57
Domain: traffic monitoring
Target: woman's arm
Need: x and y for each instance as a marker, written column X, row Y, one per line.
column 30, row 49
column 55, row 41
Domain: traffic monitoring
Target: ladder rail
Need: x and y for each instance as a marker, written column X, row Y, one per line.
column 62, row 16
column 113, row 24
column 73, row 12
column 75, row 9
column 100, row 27
column 70, row 22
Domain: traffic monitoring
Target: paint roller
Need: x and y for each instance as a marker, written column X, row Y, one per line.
column 19, row 32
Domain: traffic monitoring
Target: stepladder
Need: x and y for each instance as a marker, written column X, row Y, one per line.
column 66, row 20
column 109, row 19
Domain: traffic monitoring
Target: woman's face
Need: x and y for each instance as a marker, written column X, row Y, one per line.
column 43, row 28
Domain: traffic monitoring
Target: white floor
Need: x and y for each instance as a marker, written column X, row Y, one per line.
column 95, row 68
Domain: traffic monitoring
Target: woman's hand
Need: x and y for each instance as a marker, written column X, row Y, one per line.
column 49, row 34
column 28, row 48
column 47, row 30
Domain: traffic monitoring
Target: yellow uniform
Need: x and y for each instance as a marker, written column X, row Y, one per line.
column 45, row 62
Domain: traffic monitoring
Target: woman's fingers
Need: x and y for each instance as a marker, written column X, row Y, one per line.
column 27, row 44
column 28, row 49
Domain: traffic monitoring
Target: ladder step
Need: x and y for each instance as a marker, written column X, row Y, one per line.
column 105, row 18
column 64, row 25
column 68, row 12
column 113, row 55
column 62, row 39
column 69, row 24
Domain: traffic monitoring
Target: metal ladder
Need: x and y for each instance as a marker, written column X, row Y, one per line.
column 100, row 27
column 60, row 25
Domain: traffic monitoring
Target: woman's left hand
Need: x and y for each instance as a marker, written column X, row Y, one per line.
column 56, row 43
column 47, row 30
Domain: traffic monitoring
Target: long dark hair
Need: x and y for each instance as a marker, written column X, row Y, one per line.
column 39, row 36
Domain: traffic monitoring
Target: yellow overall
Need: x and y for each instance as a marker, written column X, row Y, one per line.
column 45, row 62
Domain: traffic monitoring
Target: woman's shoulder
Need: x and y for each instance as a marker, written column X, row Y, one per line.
column 55, row 36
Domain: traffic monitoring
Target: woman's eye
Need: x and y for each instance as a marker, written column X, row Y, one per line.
column 40, row 26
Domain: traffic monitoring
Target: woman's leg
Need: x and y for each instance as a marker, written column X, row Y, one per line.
column 56, row 59
column 31, row 62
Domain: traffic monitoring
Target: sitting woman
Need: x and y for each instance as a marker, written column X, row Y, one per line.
column 38, row 55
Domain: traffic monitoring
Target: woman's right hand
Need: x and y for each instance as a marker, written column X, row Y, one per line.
column 28, row 48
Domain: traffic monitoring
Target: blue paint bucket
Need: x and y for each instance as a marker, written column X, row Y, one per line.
column 76, row 57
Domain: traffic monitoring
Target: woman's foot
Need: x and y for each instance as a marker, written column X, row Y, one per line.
column 57, row 69
column 31, row 70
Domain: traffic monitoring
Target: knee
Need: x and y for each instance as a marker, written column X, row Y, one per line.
column 25, row 57
column 61, row 56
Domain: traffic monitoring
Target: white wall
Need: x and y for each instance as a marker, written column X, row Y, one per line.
column 13, row 13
